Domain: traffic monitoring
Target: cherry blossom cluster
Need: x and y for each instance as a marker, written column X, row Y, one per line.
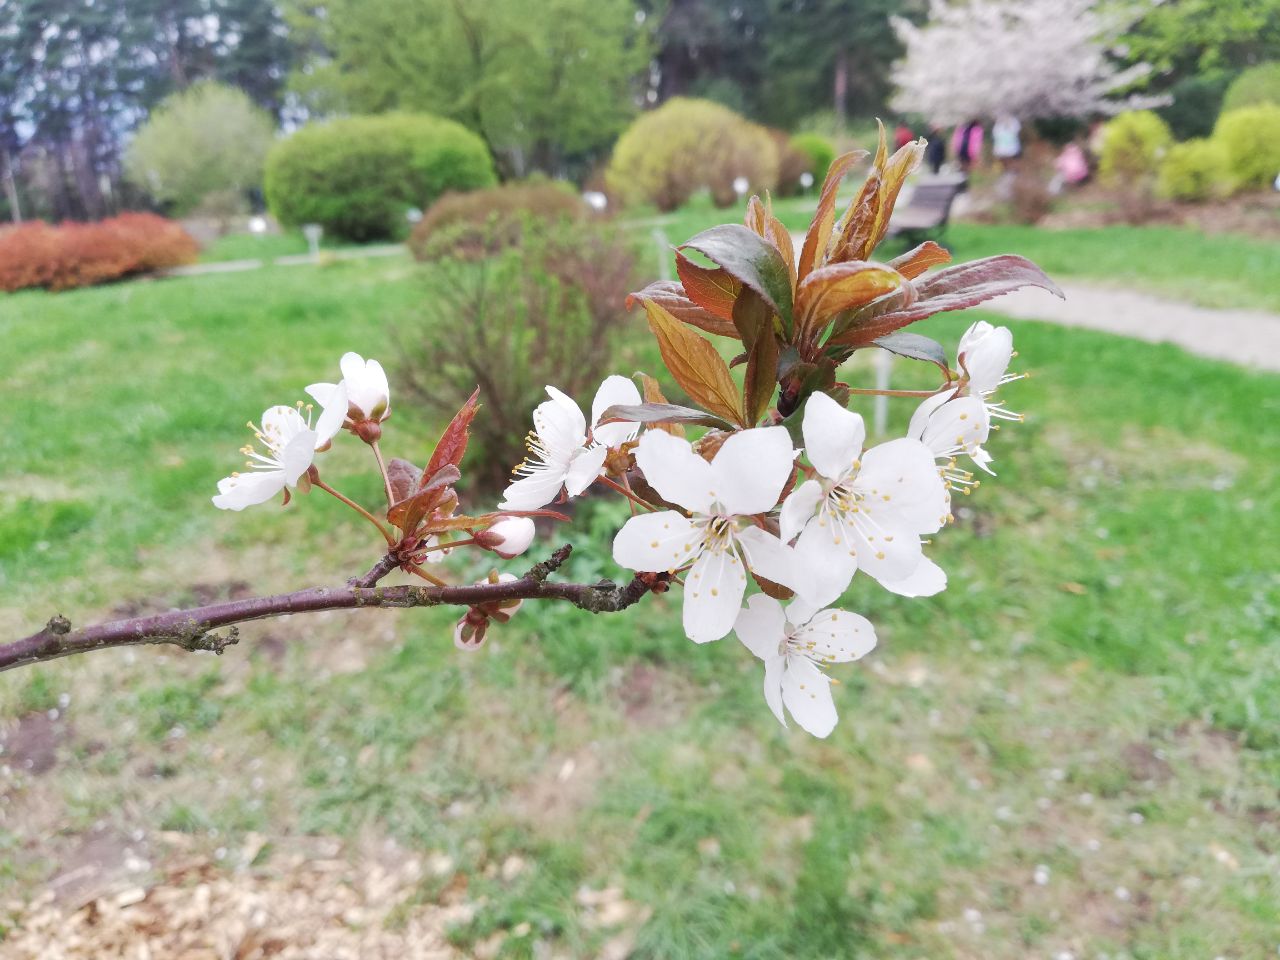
column 746, row 506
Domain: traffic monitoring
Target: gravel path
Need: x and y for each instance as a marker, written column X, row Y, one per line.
column 1247, row 337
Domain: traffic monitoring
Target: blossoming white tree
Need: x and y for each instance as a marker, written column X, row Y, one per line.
column 776, row 499
column 1025, row 58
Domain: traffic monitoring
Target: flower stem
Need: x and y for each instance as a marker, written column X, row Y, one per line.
column 626, row 492
column 382, row 468
column 414, row 568
column 391, row 541
column 894, row 393
column 447, row 546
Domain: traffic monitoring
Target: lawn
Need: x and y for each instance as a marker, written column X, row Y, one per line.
column 1073, row 749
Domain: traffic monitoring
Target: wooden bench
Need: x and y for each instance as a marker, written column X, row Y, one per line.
column 925, row 214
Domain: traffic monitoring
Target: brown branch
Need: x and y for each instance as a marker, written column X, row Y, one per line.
column 193, row 629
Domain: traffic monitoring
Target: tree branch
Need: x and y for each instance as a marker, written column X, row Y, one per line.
column 193, row 629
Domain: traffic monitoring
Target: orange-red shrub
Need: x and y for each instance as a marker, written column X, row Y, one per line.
column 70, row 255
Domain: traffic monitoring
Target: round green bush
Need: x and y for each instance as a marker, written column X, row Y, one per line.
column 358, row 176
column 1196, row 102
column 819, row 151
column 1194, row 170
column 1251, row 139
column 1260, row 84
column 686, row 145
column 1133, row 145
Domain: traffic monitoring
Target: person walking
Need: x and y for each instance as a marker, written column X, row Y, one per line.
column 1006, row 140
column 935, row 152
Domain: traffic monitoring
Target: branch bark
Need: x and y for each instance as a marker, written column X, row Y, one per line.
column 195, row 628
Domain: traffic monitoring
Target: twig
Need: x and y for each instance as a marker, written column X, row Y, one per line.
column 357, row 508
column 193, row 629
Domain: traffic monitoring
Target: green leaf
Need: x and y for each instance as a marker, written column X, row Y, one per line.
column 914, row 346
column 662, row 413
column 751, row 259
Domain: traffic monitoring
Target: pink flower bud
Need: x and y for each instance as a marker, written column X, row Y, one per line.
column 469, row 632
column 508, row 538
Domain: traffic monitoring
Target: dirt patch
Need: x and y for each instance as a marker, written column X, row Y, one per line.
column 1253, row 214
column 294, row 909
column 32, row 746
column 1144, row 764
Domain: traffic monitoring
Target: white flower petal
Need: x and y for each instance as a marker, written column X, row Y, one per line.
column 807, row 694
column 576, row 422
column 657, row 542
column 713, row 595
column 982, row 459
column 774, row 668
column 800, row 611
column 798, row 508
column 333, row 412
column 927, row 580
column 960, row 424
column 280, row 424
column 986, row 357
column 297, row 455
column 770, row 557
column 920, row 418
column 539, row 487
column 761, row 626
column 615, row 390
column 887, row 555
column 836, row 636
column 678, row 474
column 583, row 469
column 248, row 489
column 560, row 430
column 828, row 559
column 751, row 468
column 833, row 436
column 902, row 489
column 321, row 392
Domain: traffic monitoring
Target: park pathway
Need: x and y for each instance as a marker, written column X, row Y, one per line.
column 1250, row 338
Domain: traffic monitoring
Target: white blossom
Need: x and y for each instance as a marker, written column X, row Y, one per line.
column 363, row 384
column 979, row 59
column 744, row 479
column 561, row 455
column 866, row 511
column 509, row 537
column 793, row 644
column 290, row 445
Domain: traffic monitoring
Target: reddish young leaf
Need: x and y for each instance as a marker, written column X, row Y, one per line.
column 408, row 513
column 453, row 442
column 756, row 217
column 914, row 347
column 404, row 478
column 868, row 219
column 695, row 364
column 755, row 323
column 837, row 287
column 955, row 288
column 751, row 259
column 671, row 295
column 814, row 252
column 919, row 259
column 713, row 289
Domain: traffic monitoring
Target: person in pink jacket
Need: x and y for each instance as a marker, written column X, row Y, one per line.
column 966, row 144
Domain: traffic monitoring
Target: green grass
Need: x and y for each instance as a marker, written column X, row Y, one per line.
column 1097, row 691
column 250, row 246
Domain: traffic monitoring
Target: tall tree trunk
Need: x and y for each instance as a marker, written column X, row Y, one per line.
column 840, row 87
column 11, row 188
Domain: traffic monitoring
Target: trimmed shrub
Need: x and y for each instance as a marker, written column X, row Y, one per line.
column 1132, row 147
column 819, row 151
column 546, row 310
column 202, row 148
column 1196, row 102
column 686, row 145
column 1194, row 170
column 37, row 254
column 1257, row 85
column 358, row 176
column 1251, row 140
column 482, row 222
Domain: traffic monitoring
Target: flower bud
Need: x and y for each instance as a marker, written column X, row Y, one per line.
column 469, row 632
column 368, row 394
column 508, row 538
